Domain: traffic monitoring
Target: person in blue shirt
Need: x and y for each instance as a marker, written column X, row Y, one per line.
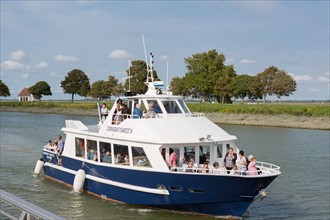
column 107, row 157
column 137, row 113
column 60, row 144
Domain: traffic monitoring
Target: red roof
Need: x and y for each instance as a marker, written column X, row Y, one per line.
column 24, row 92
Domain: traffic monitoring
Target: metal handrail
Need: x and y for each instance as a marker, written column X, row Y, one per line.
column 265, row 168
column 28, row 209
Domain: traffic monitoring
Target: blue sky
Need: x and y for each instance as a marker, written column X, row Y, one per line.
column 44, row 40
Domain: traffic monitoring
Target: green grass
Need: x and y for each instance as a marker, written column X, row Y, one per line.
column 301, row 109
column 305, row 109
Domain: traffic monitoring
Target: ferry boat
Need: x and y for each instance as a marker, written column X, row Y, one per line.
column 125, row 158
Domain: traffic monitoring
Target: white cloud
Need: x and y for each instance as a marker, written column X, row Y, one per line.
column 119, row 54
column 303, row 78
column 17, row 55
column 12, row 65
column 65, row 59
column 25, row 76
column 323, row 79
column 41, row 65
column 314, row 90
column 247, row 61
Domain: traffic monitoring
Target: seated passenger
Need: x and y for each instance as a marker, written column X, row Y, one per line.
column 107, row 157
column 195, row 165
column 125, row 111
column 104, row 111
column 215, row 169
column 49, row 146
column 137, row 113
column 190, row 168
column 118, row 159
column 126, row 159
column 151, row 112
column 205, row 167
column 92, row 155
column 183, row 164
column 234, row 171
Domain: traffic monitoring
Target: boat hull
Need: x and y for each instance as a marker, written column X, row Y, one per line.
column 218, row 195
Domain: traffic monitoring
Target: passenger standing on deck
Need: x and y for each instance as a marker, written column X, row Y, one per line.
column 117, row 113
column 230, row 159
column 60, row 144
column 241, row 162
column 252, row 168
column 173, row 160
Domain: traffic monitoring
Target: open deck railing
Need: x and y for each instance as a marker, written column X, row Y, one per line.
column 28, row 209
column 264, row 169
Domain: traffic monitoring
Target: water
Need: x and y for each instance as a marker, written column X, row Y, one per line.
column 300, row 192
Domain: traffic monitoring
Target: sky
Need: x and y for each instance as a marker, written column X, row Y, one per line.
column 44, row 40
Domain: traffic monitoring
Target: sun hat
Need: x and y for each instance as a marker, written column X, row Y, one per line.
column 250, row 157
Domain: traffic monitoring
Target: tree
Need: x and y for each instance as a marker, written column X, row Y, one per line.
column 114, row 88
column 76, row 82
column 98, row 90
column 265, row 81
column 178, row 86
column 222, row 90
column 105, row 89
column 204, row 70
column 137, row 77
column 241, row 86
column 4, row 90
column 283, row 85
column 39, row 89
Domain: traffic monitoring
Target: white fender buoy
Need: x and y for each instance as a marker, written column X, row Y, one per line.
column 79, row 180
column 39, row 166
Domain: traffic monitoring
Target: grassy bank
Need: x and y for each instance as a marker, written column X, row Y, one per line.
column 309, row 116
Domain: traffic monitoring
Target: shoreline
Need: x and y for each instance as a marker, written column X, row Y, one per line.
column 285, row 121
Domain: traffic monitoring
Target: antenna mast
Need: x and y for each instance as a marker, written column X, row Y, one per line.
column 150, row 77
column 129, row 75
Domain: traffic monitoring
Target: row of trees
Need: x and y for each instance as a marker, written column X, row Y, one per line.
column 208, row 79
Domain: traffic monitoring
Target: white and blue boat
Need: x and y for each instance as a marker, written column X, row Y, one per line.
column 127, row 160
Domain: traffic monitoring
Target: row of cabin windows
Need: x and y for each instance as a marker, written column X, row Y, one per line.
column 111, row 153
column 190, row 152
column 170, row 106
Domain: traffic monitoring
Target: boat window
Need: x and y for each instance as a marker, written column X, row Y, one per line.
column 171, row 107
column 155, row 104
column 140, row 158
column 219, row 151
column 184, row 107
column 196, row 190
column 204, row 153
column 92, row 150
column 189, row 152
column 121, row 154
column 176, row 188
column 80, row 147
column 105, row 149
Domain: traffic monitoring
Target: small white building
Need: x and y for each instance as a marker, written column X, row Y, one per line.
column 26, row 96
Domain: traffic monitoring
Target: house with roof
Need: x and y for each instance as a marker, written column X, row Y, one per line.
column 26, row 96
